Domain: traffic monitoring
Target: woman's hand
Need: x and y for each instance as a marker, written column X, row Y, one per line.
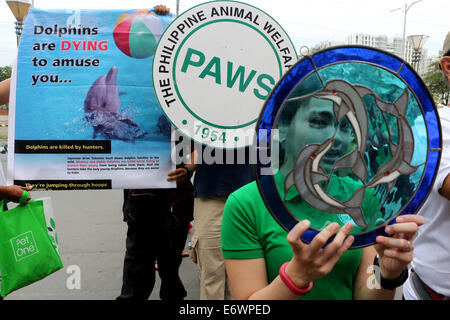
column 396, row 251
column 312, row 261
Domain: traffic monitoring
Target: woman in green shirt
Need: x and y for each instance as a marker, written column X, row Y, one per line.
column 264, row 261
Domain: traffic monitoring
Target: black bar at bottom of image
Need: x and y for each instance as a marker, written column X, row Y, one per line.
column 233, row 310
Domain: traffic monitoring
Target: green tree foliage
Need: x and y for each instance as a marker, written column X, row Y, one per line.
column 437, row 84
column 5, row 72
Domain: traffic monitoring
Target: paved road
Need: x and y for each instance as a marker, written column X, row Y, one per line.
column 3, row 126
column 92, row 237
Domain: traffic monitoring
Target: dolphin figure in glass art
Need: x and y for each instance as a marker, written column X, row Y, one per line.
column 348, row 103
column 402, row 152
column 308, row 175
column 102, row 105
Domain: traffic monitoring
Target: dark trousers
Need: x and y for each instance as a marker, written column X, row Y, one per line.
column 153, row 235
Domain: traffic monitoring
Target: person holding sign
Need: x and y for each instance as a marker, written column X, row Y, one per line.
column 12, row 193
column 158, row 222
column 264, row 261
column 429, row 277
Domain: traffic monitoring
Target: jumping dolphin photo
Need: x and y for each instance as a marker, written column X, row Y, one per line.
column 102, row 105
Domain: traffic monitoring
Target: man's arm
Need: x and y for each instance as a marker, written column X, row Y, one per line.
column 445, row 189
column 4, row 91
column 14, row 192
column 182, row 174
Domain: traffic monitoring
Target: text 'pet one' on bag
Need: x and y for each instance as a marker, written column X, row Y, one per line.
column 27, row 254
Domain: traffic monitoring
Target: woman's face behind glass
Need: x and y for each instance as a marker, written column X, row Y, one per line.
column 315, row 122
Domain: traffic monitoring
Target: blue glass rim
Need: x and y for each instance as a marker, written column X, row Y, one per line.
column 299, row 72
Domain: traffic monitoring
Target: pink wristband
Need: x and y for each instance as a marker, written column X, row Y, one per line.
column 290, row 284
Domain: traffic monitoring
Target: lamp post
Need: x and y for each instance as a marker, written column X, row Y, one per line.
column 405, row 11
column 417, row 42
column 19, row 9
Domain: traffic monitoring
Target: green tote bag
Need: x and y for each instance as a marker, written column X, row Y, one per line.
column 27, row 254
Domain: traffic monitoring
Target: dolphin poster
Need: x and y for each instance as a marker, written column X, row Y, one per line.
column 83, row 114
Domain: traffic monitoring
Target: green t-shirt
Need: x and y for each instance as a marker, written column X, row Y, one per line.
column 249, row 231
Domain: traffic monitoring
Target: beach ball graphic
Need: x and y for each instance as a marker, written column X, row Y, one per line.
column 137, row 34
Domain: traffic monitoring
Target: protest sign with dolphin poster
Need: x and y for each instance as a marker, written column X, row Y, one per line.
column 83, row 112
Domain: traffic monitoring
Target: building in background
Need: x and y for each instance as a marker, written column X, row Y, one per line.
column 392, row 45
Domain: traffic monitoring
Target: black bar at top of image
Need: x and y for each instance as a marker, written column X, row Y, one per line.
column 62, row 146
column 66, row 184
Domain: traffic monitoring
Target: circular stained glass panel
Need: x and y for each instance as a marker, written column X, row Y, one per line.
column 354, row 136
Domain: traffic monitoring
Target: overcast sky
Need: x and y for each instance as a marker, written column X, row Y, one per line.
column 307, row 22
